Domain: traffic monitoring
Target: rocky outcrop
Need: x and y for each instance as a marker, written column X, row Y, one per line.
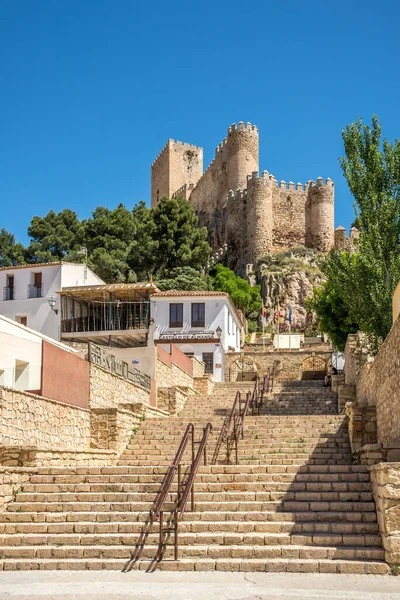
column 288, row 279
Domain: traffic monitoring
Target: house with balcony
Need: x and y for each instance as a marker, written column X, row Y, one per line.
column 116, row 314
column 30, row 293
column 203, row 324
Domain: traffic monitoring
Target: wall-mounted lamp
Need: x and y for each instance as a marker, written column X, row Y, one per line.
column 218, row 331
column 52, row 303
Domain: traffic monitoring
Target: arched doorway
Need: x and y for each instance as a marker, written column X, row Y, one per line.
column 243, row 369
column 313, row 369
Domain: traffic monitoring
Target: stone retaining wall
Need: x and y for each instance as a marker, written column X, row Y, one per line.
column 34, row 457
column 385, row 479
column 108, row 390
column 29, row 420
column 11, row 481
column 289, row 362
column 172, row 400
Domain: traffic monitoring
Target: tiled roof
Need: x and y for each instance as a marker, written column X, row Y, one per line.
column 35, row 265
column 174, row 293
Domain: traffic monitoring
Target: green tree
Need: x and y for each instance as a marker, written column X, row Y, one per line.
column 144, row 245
column 181, row 242
column 108, row 236
column 332, row 314
column 185, row 278
column 365, row 281
column 244, row 296
column 53, row 236
column 12, row 253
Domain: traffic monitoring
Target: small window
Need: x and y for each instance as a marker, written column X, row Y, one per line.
column 208, row 360
column 198, row 314
column 176, row 315
column 21, row 319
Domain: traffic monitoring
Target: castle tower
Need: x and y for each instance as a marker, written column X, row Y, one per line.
column 321, row 218
column 178, row 164
column 259, row 210
column 242, row 147
column 340, row 238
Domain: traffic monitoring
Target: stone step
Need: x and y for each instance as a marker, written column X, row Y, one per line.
column 268, row 527
column 207, row 538
column 130, row 516
column 281, row 565
column 201, row 486
column 202, row 506
column 190, row 551
column 228, row 495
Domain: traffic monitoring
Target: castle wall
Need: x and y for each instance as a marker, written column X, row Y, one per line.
column 289, row 216
column 253, row 215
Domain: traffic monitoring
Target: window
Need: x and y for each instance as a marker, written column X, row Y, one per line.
column 21, row 319
column 176, row 315
column 208, row 360
column 8, row 292
column 35, row 288
column 198, row 314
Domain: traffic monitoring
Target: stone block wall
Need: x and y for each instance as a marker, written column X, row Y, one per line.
column 108, row 390
column 33, row 421
column 112, row 428
column 172, row 400
column 385, row 479
column 172, row 375
column 362, row 426
column 204, row 385
column 198, row 367
column 11, row 481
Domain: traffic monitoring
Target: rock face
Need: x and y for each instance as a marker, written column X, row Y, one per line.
column 288, row 280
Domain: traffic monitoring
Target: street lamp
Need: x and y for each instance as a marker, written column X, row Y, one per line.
column 52, row 303
column 218, row 331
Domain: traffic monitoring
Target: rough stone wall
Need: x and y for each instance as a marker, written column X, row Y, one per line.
column 204, row 385
column 385, row 479
column 289, row 217
column 11, row 482
column 198, row 367
column 109, row 390
column 378, row 385
column 112, row 428
column 32, row 457
column 355, row 356
column 170, row 376
column 172, row 400
column 289, row 363
column 30, row 420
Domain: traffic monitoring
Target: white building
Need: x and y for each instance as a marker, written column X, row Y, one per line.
column 21, row 355
column 30, row 293
column 200, row 323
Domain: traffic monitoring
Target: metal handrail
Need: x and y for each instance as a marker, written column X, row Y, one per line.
column 256, row 398
column 188, row 487
column 224, row 433
column 170, row 474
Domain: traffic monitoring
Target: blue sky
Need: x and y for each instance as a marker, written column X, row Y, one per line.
column 90, row 90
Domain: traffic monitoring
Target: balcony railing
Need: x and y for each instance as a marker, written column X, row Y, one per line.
column 35, row 291
column 107, row 316
column 8, row 293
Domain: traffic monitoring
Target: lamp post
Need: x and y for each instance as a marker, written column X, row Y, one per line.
column 52, row 303
column 218, row 331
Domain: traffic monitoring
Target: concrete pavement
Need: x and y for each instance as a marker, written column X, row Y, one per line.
column 106, row 585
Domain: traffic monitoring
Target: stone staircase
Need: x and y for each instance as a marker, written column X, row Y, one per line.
column 295, row 502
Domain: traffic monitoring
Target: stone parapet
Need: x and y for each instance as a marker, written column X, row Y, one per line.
column 385, row 479
column 36, row 457
column 361, row 424
column 204, row 385
column 109, row 390
column 172, row 400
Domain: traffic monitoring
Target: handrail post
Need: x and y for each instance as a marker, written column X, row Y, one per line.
column 179, row 481
column 160, row 540
column 176, row 538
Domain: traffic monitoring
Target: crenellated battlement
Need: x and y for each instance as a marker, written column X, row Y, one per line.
column 241, row 126
column 179, row 145
column 250, row 210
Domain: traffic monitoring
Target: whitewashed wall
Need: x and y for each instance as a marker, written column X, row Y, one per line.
column 37, row 310
column 218, row 313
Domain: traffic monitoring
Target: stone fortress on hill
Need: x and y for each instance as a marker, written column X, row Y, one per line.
column 254, row 215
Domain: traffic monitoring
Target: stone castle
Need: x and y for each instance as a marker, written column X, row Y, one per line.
column 254, row 215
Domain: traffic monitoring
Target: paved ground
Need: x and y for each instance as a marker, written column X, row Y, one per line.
column 106, row 585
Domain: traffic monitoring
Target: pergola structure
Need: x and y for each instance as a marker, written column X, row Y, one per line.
column 116, row 314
